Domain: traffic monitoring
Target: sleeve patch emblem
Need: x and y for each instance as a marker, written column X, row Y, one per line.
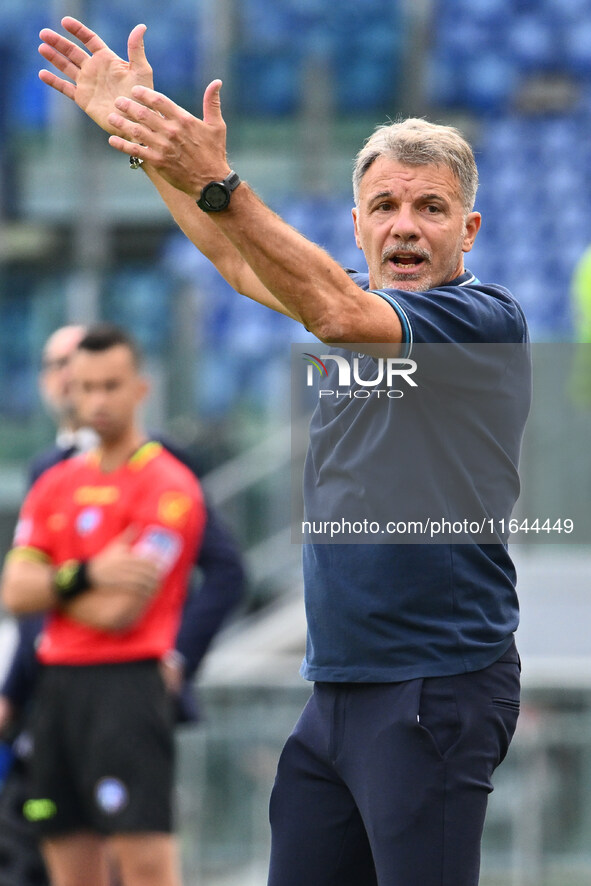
column 23, row 532
column 174, row 508
column 161, row 546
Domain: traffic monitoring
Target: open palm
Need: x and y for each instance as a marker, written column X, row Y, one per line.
column 99, row 75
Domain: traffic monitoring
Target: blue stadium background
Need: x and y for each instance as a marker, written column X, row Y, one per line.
column 83, row 238
column 513, row 73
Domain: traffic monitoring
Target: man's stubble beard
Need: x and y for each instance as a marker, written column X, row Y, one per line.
column 424, row 282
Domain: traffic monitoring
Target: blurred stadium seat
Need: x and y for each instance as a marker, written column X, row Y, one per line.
column 363, row 45
column 482, row 51
column 534, row 197
column 534, row 169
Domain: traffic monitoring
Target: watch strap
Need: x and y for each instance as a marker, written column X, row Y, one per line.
column 70, row 579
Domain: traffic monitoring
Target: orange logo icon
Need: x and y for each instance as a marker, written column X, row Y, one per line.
column 174, row 508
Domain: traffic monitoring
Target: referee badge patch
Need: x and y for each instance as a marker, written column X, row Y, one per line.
column 174, row 508
column 163, row 546
column 111, row 795
column 23, row 532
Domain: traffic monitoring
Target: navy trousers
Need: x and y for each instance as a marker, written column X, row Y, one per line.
column 387, row 784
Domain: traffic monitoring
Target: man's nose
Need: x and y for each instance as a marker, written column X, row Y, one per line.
column 97, row 398
column 405, row 224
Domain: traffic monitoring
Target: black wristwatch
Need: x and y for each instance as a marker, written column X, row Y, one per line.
column 70, row 579
column 215, row 196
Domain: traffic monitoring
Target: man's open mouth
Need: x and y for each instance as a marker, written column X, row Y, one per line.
column 406, row 260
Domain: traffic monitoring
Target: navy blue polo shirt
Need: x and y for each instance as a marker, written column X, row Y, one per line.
column 384, row 612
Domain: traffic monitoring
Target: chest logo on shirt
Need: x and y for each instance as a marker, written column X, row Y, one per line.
column 96, row 495
column 174, row 508
column 88, row 520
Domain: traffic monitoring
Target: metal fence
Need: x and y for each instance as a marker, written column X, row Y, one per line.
column 538, row 830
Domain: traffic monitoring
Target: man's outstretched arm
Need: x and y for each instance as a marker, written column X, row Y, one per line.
column 257, row 253
column 188, row 153
column 213, row 244
column 93, row 77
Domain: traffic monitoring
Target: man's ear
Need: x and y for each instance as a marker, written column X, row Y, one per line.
column 473, row 222
column 143, row 388
column 354, row 213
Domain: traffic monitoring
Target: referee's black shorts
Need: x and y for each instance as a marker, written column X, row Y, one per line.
column 103, row 750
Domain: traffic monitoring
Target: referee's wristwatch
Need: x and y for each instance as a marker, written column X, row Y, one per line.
column 215, row 196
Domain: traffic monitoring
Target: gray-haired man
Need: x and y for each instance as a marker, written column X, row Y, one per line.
column 386, row 776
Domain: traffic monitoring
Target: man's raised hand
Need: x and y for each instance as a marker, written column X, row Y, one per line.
column 186, row 151
column 97, row 76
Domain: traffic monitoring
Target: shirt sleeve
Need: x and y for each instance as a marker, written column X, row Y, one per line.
column 469, row 313
column 170, row 523
column 466, row 314
column 33, row 535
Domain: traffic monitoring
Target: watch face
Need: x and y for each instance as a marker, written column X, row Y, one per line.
column 216, row 196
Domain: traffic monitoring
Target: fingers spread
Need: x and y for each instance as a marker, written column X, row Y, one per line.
column 91, row 40
column 63, row 86
column 154, row 100
column 59, row 61
column 133, row 149
column 55, row 47
column 134, row 111
column 136, row 125
column 144, row 132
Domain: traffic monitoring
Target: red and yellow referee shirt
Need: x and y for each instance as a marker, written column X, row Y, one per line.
column 75, row 510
